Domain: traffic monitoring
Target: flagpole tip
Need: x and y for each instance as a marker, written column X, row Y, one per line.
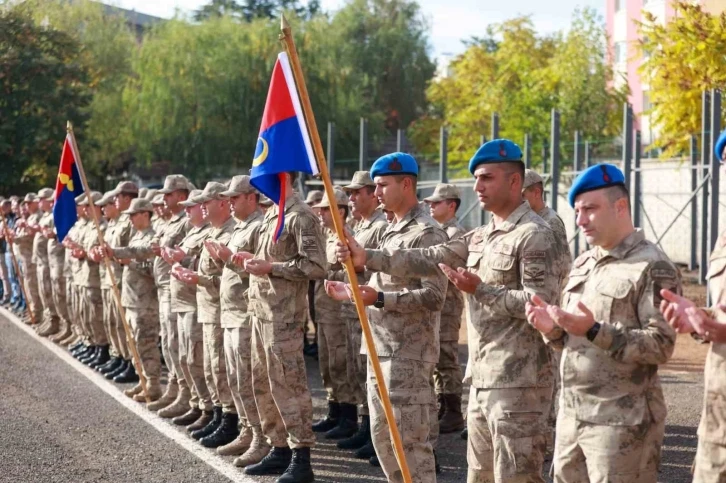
column 284, row 24
column 69, row 126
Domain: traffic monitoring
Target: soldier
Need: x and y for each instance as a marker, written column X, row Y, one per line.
column 405, row 322
column 169, row 233
column 222, row 429
column 533, row 192
column 40, row 255
column 507, row 261
column 368, row 233
column 139, row 298
column 311, row 349
column 342, row 418
column 70, row 268
column 265, row 203
column 56, row 262
column 313, row 198
column 279, row 276
column 612, row 414
column 236, row 321
column 443, row 204
column 4, row 274
column 25, row 234
column 12, row 295
column 184, row 306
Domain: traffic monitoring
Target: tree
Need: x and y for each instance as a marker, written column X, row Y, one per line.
column 43, row 85
column 683, row 58
column 253, row 9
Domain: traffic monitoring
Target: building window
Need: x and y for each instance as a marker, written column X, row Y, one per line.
column 621, row 52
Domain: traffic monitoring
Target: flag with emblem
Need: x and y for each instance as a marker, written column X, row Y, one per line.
column 283, row 144
column 67, row 187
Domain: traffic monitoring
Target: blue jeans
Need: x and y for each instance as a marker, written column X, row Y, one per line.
column 14, row 283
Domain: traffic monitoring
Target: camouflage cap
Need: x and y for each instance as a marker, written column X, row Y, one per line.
column 158, row 199
column 314, row 196
column 30, row 198
column 213, row 191
column 341, row 199
column 444, row 191
column 238, row 185
column 107, row 198
column 360, row 179
column 126, row 187
column 531, row 177
column 175, row 182
column 150, row 193
column 95, row 196
column 142, row 192
column 265, row 201
column 139, row 205
column 46, row 194
column 192, row 199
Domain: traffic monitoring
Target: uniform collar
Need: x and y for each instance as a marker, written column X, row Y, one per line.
column 452, row 222
column 291, row 201
column 377, row 215
column 250, row 218
column 625, row 246
column 512, row 220
column 415, row 212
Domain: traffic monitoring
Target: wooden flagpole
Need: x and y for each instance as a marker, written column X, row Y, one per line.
column 136, row 360
column 19, row 274
column 289, row 45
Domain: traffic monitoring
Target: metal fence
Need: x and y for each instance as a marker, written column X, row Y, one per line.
column 675, row 201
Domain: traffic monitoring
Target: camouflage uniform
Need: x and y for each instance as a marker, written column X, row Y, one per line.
column 612, row 410
column 42, row 263
column 711, row 454
column 90, row 288
column 209, row 315
column 509, row 363
column 70, row 267
column 118, row 234
column 139, row 299
column 24, row 243
column 56, row 263
column 237, row 323
column 278, row 303
column 184, row 305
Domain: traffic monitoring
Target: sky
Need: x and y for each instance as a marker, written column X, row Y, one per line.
column 450, row 20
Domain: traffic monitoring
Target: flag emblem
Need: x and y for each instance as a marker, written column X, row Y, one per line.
column 67, row 188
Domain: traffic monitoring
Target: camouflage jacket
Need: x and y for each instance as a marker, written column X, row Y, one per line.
column 117, row 235
column 89, row 275
column 78, row 237
column 558, row 227
column 56, row 254
column 138, row 290
column 40, row 241
column 408, row 325
column 172, row 233
column 515, row 260
column 24, row 237
column 297, row 257
column 210, row 273
column 453, row 310
column 184, row 296
column 69, row 263
column 613, row 380
column 328, row 310
column 235, row 282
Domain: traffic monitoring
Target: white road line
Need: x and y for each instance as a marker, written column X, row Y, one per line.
column 207, row 456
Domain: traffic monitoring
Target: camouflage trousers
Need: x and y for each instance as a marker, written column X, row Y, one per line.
column 60, row 295
column 92, row 314
column 5, row 277
column 238, row 354
column 280, row 383
column 144, row 325
column 333, row 360
column 552, row 419
column 30, row 278
column 600, row 453
column 191, row 359
column 170, row 339
column 356, row 365
column 507, row 430
column 447, row 373
column 113, row 325
column 215, row 368
column 710, row 462
column 414, row 407
column 72, row 305
column 45, row 289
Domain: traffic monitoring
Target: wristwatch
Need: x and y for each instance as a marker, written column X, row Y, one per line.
column 379, row 301
column 592, row 331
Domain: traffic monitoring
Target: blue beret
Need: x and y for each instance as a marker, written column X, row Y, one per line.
column 495, row 151
column 595, row 178
column 394, row 163
column 720, row 144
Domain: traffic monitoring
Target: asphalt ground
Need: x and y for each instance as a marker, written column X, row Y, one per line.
column 61, row 422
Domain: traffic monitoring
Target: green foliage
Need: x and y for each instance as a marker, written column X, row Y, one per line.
column 43, row 84
column 684, row 58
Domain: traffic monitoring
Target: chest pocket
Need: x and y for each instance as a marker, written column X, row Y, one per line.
column 573, row 290
column 610, row 302
column 502, row 266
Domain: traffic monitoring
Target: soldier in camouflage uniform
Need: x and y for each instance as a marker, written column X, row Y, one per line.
column 139, row 298
column 612, row 410
column 279, row 276
column 70, row 266
column 443, row 204
column 215, row 207
column 368, row 233
column 405, row 322
column 184, row 306
column 341, row 420
column 500, row 266
column 40, row 256
column 56, row 262
column 237, row 324
column 24, row 236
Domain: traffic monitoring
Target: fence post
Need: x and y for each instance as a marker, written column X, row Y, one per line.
column 527, row 152
column 627, row 144
column 331, row 147
column 587, row 154
column 363, row 152
column 694, row 203
column 705, row 148
column 555, row 152
column 399, row 140
column 482, row 140
column 576, row 168
column 715, row 171
column 637, row 194
column 544, row 159
column 495, row 126
column 443, row 155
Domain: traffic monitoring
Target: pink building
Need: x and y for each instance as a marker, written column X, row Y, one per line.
column 621, row 17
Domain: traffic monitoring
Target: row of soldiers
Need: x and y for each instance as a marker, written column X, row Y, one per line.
column 230, row 304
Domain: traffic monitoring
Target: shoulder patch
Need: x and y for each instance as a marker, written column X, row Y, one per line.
column 664, row 276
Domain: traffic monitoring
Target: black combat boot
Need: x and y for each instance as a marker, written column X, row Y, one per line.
column 359, row 439
column 110, row 365
column 347, row 422
column 211, row 427
column 81, row 351
column 275, row 463
column 366, row 451
column 330, row 420
column 118, row 370
column 224, row 434
column 187, row 418
column 299, row 470
column 452, row 420
column 91, row 355
column 101, row 358
column 441, row 402
column 204, row 418
column 128, row 375
column 465, row 434
column 437, row 466
column 373, row 461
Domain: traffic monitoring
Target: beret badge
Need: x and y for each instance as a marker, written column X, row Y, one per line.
column 395, row 165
